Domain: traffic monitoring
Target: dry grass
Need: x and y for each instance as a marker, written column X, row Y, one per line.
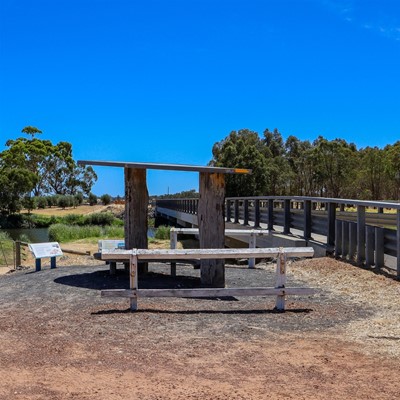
column 56, row 211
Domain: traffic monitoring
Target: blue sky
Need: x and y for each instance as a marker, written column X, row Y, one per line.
column 162, row 81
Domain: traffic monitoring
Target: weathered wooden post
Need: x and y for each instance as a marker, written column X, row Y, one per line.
column 286, row 224
column 307, row 219
column 369, row 245
column 246, row 212
column 398, row 243
column 331, row 224
column 17, row 254
column 211, row 221
column 270, row 215
column 360, row 234
column 256, row 213
column 379, row 247
column 136, row 203
column 280, row 279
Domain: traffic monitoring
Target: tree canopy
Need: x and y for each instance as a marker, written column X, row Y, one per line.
column 330, row 168
column 37, row 167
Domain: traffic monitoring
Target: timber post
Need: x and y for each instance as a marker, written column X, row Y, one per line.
column 136, row 203
column 361, row 234
column 211, row 221
column 17, row 254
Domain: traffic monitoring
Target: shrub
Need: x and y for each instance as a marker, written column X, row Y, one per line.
column 92, row 199
column 73, row 219
column 106, row 218
column 162, row 232
column 105, row 199
column 63, row 202
column 42, row 202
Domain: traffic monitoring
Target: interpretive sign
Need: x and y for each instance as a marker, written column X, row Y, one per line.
column 111, row 245
column 42, row 250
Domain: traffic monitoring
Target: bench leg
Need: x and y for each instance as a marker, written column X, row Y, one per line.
column 173, row 269
column 113, row 268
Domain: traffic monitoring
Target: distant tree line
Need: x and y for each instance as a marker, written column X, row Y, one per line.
column 33, row 168
column 327, row 168
column 186, row 194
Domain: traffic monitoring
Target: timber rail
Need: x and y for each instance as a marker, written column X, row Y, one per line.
column 280, row 290
column 365, row 231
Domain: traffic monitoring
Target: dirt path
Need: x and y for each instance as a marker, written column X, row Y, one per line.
column 60, row 340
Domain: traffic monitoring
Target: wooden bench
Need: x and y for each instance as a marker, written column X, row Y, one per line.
column 280, row 290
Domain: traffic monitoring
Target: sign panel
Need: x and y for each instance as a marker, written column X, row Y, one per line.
column 42, row 250
column 111, row 244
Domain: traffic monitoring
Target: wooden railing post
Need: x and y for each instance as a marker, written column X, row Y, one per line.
column 331, row 224
column 252, row 245
column 398, row 243
column 246, row 212
column 338, row 239
column 360, row 234
column 286, row 227
column 228, row 210
column 256, row 213
column 236, row 211
column 352, row 240
column 173, row 239
column 369, row 245
column 379, row 247
column 17, row 254
column 345, row 239
column 270, row 215
column 307, row 219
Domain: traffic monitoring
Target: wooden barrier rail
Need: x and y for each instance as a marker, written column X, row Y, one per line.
column 252, row 233
column 136, row 255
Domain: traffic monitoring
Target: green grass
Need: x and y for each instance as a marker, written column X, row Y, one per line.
column 67, row 233
column 6, row 250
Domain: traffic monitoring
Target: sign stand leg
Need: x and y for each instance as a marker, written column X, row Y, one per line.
column 38, row 264
column 52, row 262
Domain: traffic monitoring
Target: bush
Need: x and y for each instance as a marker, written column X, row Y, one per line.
column 73, row 219
column 162, row 232
column 106, row 218
column 63, row 202
column 42, row 202
column 92, row 199
column 105, row 199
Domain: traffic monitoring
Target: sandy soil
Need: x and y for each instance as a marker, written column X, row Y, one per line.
column 60, row 340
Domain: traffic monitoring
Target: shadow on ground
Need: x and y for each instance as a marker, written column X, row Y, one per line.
column 100, row 280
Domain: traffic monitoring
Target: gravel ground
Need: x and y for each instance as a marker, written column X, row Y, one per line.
column 59, row 339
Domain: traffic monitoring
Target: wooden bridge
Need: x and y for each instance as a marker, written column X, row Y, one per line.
column 364, row 231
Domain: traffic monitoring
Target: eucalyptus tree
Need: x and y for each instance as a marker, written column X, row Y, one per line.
column 242, row 149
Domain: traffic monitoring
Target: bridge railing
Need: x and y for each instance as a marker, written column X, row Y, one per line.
column 364, row 231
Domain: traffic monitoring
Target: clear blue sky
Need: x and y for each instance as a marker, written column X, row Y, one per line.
column 162, row 81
